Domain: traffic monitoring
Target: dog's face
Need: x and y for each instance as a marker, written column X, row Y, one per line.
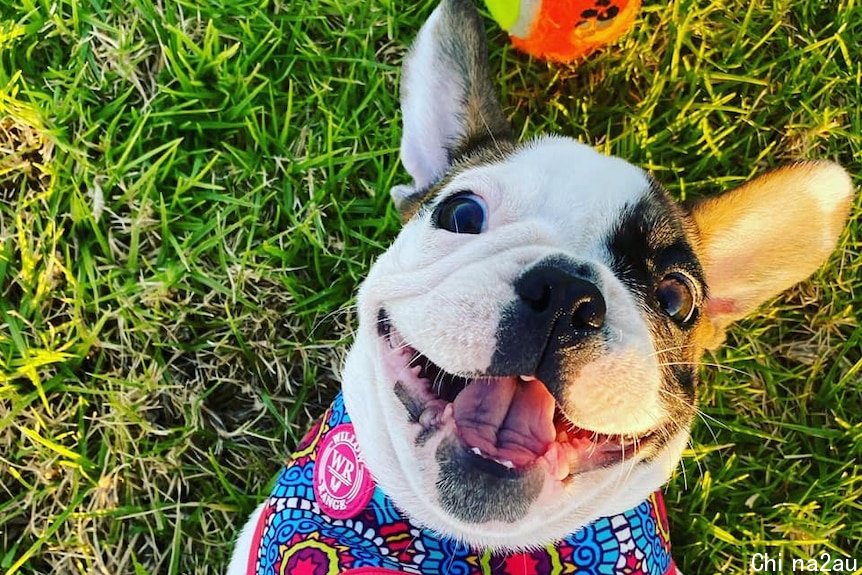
column 527, row 353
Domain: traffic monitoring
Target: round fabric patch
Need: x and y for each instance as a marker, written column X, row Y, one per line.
column 342, row 484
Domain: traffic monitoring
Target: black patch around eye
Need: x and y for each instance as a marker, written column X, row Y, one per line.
column 648, row 243
column 633, row 247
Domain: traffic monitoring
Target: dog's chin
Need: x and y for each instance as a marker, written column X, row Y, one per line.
column 499, row 442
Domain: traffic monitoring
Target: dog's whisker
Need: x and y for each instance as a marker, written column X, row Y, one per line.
column 696, row 459
column 704, row 364
column 670, row 349
column 681, row 465
column 416, row 357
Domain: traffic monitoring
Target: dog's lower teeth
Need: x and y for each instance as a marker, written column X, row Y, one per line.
column 504, row 462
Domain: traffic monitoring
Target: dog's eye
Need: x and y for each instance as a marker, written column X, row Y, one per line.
column 675, row 295
column 463, row 213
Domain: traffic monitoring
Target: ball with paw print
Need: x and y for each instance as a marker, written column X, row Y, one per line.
column 563, row 30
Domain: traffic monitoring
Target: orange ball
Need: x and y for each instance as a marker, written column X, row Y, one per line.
column 563, row 30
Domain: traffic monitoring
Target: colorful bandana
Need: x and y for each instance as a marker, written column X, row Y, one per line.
column 326, row 516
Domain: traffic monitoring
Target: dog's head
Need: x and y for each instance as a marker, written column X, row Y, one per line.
column 527, row 353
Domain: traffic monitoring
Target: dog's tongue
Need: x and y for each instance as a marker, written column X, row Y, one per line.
column 508, row 419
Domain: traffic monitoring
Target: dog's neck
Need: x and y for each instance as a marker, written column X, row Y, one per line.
column 327, row 512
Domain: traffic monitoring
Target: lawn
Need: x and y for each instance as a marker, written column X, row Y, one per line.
column 190, row 193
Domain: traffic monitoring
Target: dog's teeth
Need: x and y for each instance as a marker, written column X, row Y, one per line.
column 477, row 451
column 506, row 463
column 396, row 340
column 528, row 378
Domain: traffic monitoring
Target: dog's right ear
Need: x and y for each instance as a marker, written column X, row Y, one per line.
column 758, row 240
column 447, row 99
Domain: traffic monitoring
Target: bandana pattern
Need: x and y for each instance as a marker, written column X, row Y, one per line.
column 339, row 522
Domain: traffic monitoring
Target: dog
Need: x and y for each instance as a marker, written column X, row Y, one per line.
column 524, row 373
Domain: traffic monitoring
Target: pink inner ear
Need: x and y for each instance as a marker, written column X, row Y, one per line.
column 721, row 306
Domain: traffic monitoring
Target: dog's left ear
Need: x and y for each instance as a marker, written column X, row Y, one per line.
column 447, row 98
column 760, row 239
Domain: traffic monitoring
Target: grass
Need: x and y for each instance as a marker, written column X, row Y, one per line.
column 190, row 193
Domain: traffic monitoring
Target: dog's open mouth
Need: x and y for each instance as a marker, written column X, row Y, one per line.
column 509, row 423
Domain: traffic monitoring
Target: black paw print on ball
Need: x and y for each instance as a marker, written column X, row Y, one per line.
column 603, row 12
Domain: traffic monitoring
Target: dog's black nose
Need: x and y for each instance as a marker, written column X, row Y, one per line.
column 556, row 293
column 557, row 317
